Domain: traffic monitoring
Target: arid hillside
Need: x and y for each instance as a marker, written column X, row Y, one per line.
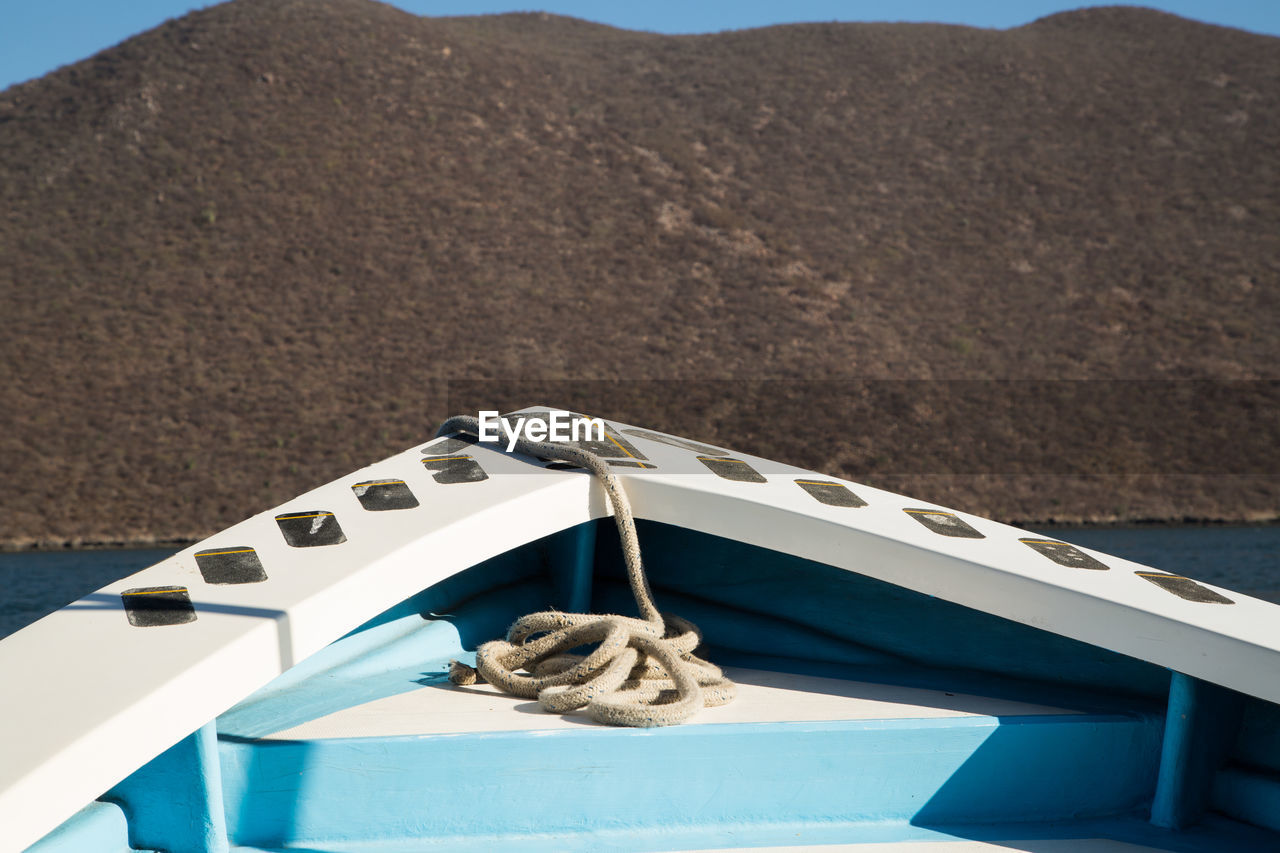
column 1030, row 273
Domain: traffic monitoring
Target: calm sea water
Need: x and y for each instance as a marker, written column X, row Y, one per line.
column 1246, row 559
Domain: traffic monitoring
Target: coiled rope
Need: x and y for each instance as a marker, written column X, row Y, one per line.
column 643, row 672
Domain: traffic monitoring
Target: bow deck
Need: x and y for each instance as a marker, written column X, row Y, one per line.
column 1038, row 670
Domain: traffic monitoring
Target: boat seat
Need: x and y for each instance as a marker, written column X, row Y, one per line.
column 830, row 759
column 763, row 697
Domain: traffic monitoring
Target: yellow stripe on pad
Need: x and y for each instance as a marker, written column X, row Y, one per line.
column 615, row 441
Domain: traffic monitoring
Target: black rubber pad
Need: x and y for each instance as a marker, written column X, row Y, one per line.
column 831, row 494
column 457, row 443
column 682, row 443
column 732, row 469
column 378, row 495
column 233, row 564
column 944, row 523
column 1184, row 588
column 309, row 529
column 454, row 469
column 1065, row 555
column 153, row 606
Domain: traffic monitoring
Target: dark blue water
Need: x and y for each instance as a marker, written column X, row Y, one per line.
column 1246, row 559
column 36, row 583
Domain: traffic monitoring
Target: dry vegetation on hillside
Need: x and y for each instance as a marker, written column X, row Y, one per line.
column 273, row 240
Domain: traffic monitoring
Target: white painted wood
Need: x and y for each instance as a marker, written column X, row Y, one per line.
column 763, row 697
column 88, row 698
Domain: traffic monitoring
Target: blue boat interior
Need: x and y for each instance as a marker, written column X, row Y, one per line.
column 1145, row 756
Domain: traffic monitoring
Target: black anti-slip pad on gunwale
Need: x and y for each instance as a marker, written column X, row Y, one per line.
column 732, row 469
column 831, row 494
column 448, row 470
column 1184, row 588
column 674, row 441
column 153, row 606
column 232, row 564
column 944, row 523
column 309, row 529
column 380, row 495
column 1065, row 554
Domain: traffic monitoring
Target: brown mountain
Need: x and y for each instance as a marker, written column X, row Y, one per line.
column 257, row 246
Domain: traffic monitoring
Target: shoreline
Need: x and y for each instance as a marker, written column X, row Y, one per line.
column 177, row 543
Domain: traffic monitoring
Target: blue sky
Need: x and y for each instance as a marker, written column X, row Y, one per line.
column 37, row 36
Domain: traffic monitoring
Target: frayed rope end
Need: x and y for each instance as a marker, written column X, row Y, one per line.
column 461, row 674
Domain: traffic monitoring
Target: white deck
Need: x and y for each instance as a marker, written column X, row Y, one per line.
column 763, row 697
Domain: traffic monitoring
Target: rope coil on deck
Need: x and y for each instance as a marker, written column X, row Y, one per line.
column 643, row 672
